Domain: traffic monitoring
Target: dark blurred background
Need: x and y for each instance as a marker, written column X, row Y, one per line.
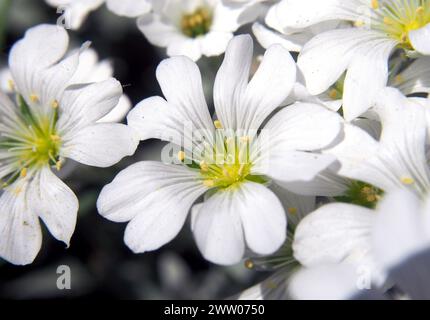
column 101, row 265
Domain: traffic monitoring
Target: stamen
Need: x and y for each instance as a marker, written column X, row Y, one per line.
column 34, row 98
column 209, row 183
column 181, row 156
column 217, row 124
column 407, row 180
column 23, row 173
column 11, row 85
column 55, row 104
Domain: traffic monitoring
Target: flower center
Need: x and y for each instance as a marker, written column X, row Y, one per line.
column 398, row 17
column 362, row 194
column 225, row 163
column 30, row 142
column 197, row 23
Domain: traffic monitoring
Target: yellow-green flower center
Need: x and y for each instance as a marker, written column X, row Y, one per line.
column 399, row 17
column 226, row 163
column 197, row 23
column 362, row 194
column 31, row 143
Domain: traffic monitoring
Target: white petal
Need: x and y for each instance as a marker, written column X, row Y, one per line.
column 129, row 8
column 82, row 105
column 75, row 10
column 232, row 79
column 101, row 144
column 263, row 217
column 157, row 31
column 41, row 47
column 181, row 83
column 214, row 43
column 291, row 166
column 304, row 13
column 366, row 76
column 326, row 282
column 269, row 87
column 218, row 229
column 90, row 69
column 302, row 126
column 118, row 113
column 267, row 37
column 400, row 221
column 324, row 58
column 165, row 201
column 333, row 234
column 54, row 203
column 21, row 236
column 327, row 183
column 420, row 39
column 131, row 191
column 188, row 47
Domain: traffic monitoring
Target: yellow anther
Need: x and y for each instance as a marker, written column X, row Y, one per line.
column 245, row 139
column 407, row 180
column 292, row 210
column 388, row 21
column 58, row 165
column 333, row 94
column 371, row 198
column 54, row 104
column 420, row 10
column 203, row 166
column 208, row 183
column 23, row 173
column 375, row 4
column 249, row 264
column 399, row 79
column 404, row 37
column 359, row 23
column 217, row 124
column 17, row 190
column 181, row 155
column 55, row 138
column 11, row 85
column 34, row 98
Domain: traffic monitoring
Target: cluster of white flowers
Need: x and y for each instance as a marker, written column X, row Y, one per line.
column 315, row 168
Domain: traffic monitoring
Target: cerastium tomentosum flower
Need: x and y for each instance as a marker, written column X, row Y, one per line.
column 195, row 27
column 362, row 47
column 231, row 161
column 50, row 121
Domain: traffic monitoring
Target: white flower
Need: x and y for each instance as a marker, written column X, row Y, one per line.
column 49, row 122
column 194, row 27
column 89, row 70
column 398, row 240
column 238, row 206
column 363, row 49
column 77, row 10
column 398, row 158
column 341, row 232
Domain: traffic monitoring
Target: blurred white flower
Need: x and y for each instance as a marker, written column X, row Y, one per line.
column 194, row 27
column 398, row 238
column 398, row 159
column 363, row 48
column 77, row 10
column 238, row 206
column 49, row 122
